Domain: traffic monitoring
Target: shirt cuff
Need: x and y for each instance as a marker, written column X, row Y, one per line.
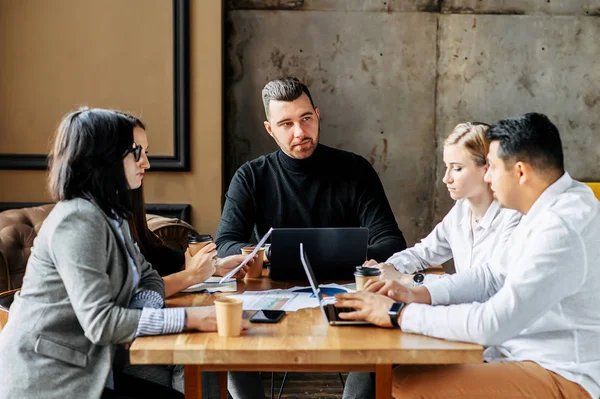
column 147, row 299
column 430, row 278
column 402, row 263
column 411, row 318
column 161, row 321
column 438, row 292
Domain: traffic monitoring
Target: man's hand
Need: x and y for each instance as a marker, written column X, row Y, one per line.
column 368, row 306
column 204, row 318
column 225, row 265
column 399, row 293
column 201, row 265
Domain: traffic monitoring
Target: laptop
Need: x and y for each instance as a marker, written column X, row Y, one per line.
column 329, row 310
column 334, row 252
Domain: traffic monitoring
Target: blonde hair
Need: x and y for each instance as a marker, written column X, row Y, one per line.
column 471, row 136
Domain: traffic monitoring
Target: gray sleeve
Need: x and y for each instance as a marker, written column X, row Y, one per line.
column 150, row 280
column 80, row 247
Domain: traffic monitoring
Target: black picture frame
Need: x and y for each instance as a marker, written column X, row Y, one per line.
column 180, row 160
column 177, row 211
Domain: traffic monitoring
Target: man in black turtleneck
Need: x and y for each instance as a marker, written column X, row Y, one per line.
column 304, row 184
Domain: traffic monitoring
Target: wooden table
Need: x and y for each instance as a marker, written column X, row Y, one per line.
column 302, row 341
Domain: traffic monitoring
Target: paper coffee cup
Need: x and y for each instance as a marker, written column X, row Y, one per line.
column 256, row 268
column 196, row 243
column 229, row 316
column 364, row 274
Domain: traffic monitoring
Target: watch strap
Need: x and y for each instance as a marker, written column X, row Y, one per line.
column 394, row 312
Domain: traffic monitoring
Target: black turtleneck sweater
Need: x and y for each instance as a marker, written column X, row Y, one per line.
column 331, row 188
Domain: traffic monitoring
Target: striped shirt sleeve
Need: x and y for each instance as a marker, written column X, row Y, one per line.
column 161, row 321
column 147, row 299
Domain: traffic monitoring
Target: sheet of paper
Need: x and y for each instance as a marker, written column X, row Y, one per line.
column 213, row 285
column 250, row 256
column 290, row 300
column 272, row 301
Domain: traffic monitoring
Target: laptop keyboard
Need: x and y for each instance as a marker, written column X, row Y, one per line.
column 337, row 311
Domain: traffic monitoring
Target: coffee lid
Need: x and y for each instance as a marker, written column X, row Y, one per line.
column 366, row 271
column 199, row 238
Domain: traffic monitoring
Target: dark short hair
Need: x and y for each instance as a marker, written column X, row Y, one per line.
column 284, row 89
column 87, row 159
column 530, row 138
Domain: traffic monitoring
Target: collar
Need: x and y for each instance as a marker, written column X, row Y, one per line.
column 307, row 165
column 547, row 197
column 486, row 220
column 490, row 215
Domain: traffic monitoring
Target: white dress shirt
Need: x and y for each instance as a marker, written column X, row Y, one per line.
column 453, row 238
column 539, row 300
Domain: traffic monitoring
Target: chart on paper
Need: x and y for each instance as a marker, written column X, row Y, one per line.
column 290, row 302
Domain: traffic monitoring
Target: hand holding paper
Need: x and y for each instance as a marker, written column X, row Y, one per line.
column 250, row 256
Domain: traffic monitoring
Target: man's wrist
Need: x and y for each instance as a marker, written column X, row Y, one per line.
column 419, row 295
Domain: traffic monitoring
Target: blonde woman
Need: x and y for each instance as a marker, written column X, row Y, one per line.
column 470, row 233
column 473, row 229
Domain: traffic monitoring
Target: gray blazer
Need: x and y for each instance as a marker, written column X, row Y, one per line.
column 72, row 310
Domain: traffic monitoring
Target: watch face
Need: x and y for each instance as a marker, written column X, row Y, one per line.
column 396, row 306
column 419, row 278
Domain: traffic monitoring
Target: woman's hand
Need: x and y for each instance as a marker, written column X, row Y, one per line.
column 389, row 272
column 201, row 265
column 225, row 265
column 204, row 318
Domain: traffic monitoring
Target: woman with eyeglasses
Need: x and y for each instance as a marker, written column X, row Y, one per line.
column 87, row 288
column 179, row 270
column 469, row 234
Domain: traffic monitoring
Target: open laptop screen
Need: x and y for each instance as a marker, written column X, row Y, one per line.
column 334, row 252
column 311, row 278
column 328, row 310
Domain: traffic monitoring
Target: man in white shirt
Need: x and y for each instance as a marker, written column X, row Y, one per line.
column 535, row 307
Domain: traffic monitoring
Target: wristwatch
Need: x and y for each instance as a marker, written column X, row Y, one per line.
column 394, row 312
column 418, row 279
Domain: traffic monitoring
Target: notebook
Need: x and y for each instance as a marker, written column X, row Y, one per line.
column 334, row 252
column 330, row 312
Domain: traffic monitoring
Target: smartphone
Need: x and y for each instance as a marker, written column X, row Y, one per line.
column 267, row 316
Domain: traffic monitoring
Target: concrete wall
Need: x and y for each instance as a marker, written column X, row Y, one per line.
column 392, row 78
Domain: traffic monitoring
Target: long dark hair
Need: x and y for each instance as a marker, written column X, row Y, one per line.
column 87, row 159
column 150, row 244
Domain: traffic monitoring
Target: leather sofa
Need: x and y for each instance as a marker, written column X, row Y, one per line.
column 19, row 227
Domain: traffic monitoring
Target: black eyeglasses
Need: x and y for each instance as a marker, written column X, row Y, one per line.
column 136, row 150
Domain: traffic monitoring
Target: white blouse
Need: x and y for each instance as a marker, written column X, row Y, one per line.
column 452, row 238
